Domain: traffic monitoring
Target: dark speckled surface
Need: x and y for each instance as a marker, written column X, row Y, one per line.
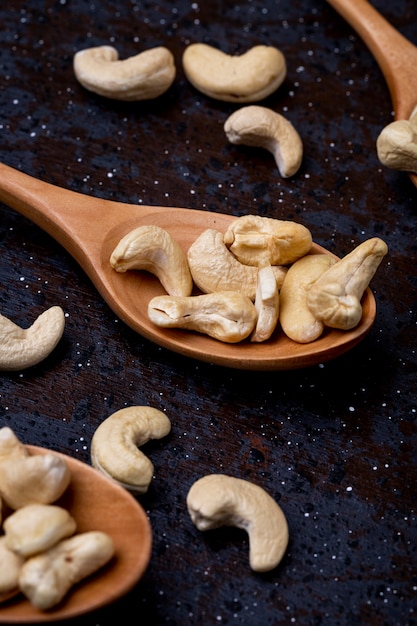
column 335, row 444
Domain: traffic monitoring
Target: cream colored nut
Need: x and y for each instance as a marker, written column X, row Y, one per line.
column 214, row 268
column 144, row 76
column 21, row 348
column 220, row 500
column 249, row 77
column 397, row 146
column 261, row 127
column 37, row 527
column 228, row 316
column 335, row 297
column 10, row 446
column 115, row 445
column 11, row 564
column 37, row 479
column 296, row 319
column 266, row 305
column 258, row 241
column 153, row 249
column 46, row 578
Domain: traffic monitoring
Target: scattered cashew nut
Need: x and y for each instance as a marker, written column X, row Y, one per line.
column 114, row 445
column 261, row 127
column 153, row 249
column 228, row 316
column 144, row 76
column 397, row 144
column 46, row 578
column 296, row 319
column 335, row 297
column 249, row 77
column 21, row 348
column 258, row 241
column 219, row 500
column 214, row 268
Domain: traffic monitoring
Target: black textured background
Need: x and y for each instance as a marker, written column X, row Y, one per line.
column 334, row 444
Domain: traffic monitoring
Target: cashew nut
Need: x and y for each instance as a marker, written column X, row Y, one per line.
column 11, row 564
column 37, row 479
column 397, row 144
column 10, row 446
column 37, row 527
column 214, row 268
column 220, row 500
column 46, row 578
column 256, row 240
column 261, row 127
column 114, row 445
column 21, row 348
column 266, row 305
column 296, row 319
column 144, row 76
column 228, row 316
column 249, row 77
column 335, row 297
column 151, row 248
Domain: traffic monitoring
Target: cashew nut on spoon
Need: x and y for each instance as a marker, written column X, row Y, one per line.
column 219, row 500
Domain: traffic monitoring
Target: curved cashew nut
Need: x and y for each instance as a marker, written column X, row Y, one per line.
column 47, row 577
column 11, row 564
column 151, row 248
column 249, row 77
column 36, row 479
column 334, row 298
column 21, row 348
column 10, row 446
column 219, row 500
column 296, row 319
column 214, row 268
column 114, row 446
column 397, row 146
column 228, row 316
column 144, row 76
column 261, row 127
column 256, row 240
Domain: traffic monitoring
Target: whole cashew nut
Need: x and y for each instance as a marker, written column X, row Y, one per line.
column 114, row 445
column 261, row 127
column 220, row 500
column 11, row 564
column 151, row 248
column 249, row 77
column 10, row 446
column 144, row 76
column 396, row 144
column 22, row 348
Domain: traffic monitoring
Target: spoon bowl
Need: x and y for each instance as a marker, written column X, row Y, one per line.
column 89, row 229
column 395, row 55
column 96, row 503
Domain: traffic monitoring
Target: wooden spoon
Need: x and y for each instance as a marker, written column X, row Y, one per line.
column 395, row 55
column 96, row 503
column 89, row 229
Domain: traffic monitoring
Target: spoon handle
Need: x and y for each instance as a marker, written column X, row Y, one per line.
column 395, row 55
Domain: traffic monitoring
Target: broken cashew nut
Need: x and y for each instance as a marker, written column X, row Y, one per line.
column 296, row 319
column 219, row 500
column 214, row 268
column 46, row 578
column 335, row 297
column 151, row 248
column 261, row 127
column 258, row 241
column 249, row 77
column 144, row 76
column 397, row 144
column 228, row 316
column 22, row 348
column 266, row 305
column 115, row 445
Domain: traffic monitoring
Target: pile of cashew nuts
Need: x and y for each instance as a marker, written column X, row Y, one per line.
column 41, row 554
column 258, row 275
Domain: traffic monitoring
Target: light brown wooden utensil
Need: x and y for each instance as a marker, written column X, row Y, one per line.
column 89, row 228
column 395, row 55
